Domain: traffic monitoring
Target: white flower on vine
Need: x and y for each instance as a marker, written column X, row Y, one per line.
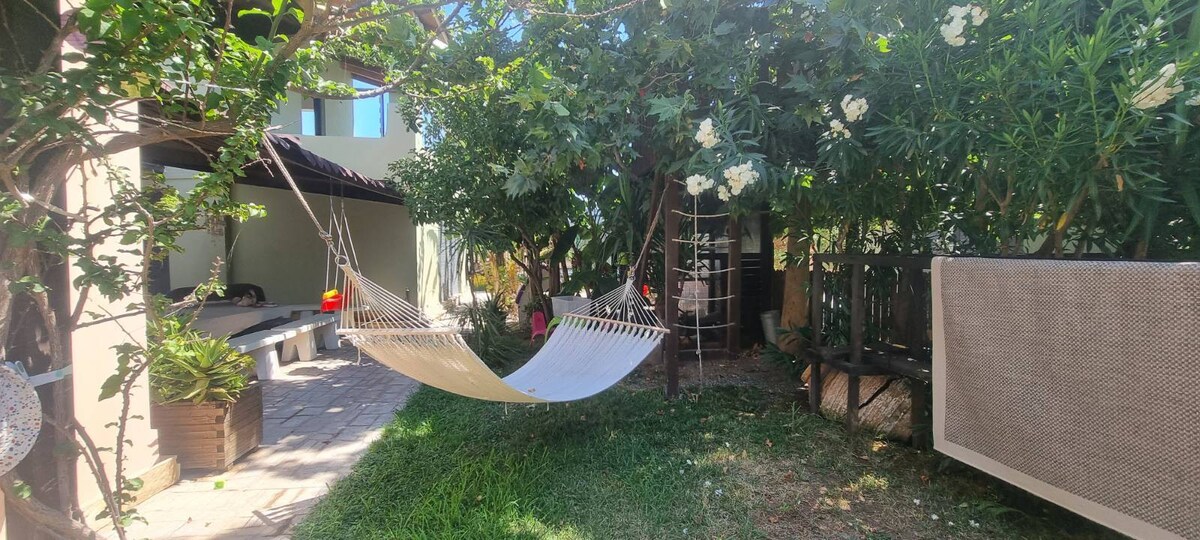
column 958, row 12
column 838, row 129
column 706, row 135
column 723, row 193
column 740, row 176
column 854, row 108
column 1159, row 90
column 697, row 184
column 1193, row 101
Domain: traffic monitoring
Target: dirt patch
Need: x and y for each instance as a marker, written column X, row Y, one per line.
column 748, row 369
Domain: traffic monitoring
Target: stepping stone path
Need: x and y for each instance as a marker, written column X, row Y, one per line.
column 318, row 419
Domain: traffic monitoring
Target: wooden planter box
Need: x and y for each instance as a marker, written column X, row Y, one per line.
column 210, row 435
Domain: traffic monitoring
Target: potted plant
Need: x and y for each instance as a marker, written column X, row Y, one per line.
column 207, row 409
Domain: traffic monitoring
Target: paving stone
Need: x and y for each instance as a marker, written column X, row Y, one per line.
column 318, row 419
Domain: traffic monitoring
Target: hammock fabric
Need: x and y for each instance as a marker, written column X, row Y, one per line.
column 592, row 348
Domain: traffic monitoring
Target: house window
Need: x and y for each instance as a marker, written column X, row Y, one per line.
column 312, row 116
column 370, row 114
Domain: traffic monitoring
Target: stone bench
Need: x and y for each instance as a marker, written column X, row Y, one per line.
column 299, row 343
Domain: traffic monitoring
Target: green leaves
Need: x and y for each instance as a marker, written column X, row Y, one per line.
column 186, row 366
column 669, row 109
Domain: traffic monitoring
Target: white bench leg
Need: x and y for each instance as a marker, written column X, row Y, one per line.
column 329, row 337
column 266, row 363
column 301, row 347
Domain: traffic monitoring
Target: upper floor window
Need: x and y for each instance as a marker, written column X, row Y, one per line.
column 370, row 114
column 312, row 116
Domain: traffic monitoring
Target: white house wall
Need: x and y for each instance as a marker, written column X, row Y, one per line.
column 201, row 249
column 283, row 254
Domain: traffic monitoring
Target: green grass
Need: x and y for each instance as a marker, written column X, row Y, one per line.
column 734, row 463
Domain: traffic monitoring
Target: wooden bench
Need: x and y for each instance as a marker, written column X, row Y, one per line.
column 298, row 339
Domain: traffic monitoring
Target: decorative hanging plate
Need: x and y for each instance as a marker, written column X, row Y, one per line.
column 20, row 418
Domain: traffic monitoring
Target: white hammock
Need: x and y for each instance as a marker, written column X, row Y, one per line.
column 591, row 349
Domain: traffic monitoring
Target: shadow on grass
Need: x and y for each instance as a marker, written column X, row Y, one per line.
column 735, row 463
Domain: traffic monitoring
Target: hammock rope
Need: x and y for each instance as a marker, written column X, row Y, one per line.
column 592, row 349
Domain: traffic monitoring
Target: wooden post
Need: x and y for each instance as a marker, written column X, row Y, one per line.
column 857, row 322
column 733, row 309
column 918, row 335
column 766, row 261
column 671, row 208
column 816, row 303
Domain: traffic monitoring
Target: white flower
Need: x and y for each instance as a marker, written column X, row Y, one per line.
column 956, row 22
column 718, row 492
column 1158, row 90
column 740, row 176
column 723, row 193
column 854, row 108
column 707, row 483
column 697, row 184
column 934, row 517
column 1148, row 33
column 1193, row 101
column 974, row 523
column 838, row 129
column 952, row 33
column 706, row 135
column 978, row 14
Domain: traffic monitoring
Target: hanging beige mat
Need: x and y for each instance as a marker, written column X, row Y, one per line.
column 1078, row 381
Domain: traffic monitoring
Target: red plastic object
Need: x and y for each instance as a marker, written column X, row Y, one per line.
column 538, row 322
column 333, row 303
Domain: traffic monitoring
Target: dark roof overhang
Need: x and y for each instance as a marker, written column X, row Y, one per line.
column 312, row 173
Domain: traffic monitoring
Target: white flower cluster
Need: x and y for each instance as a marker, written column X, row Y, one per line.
column 707, row 136
column 854, row 108
column 1193, row 101
column 697, row 184
column 740, row 176
column 1158, row 90
column 838, row 129
column 956, row 22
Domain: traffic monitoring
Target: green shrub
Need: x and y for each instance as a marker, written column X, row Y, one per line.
column 488, row 335
column 186, row 365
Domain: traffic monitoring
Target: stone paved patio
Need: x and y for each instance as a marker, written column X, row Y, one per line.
column 318, row 420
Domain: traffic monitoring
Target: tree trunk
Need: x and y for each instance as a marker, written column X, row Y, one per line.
column 796, row 278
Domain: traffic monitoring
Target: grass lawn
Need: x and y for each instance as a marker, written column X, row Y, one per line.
column 737, row 462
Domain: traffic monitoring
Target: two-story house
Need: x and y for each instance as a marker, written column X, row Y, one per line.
column 339, row 150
